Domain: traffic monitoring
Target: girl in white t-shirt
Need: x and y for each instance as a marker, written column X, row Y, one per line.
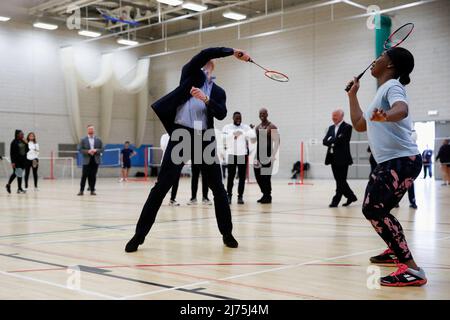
column 389, row 130
column 32, row 159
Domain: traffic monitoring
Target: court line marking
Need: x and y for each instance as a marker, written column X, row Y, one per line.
column 138, row 266
column 246, row 274
column 89, row 292
column 257, row 272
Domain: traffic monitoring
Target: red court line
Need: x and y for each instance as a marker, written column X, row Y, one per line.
column 190, row 265
column 273, row 290
column 160, row 265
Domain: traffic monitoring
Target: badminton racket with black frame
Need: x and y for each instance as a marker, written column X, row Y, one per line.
column 395, row 39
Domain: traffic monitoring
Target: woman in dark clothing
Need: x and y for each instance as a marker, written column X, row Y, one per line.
column 18, row 153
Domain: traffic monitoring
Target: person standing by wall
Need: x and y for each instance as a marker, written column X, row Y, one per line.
column 338, row 155
column 32, row 163
column 125, row 159
column 427, row 160
column 91, row 147
column 444, row 156
column 18, row 154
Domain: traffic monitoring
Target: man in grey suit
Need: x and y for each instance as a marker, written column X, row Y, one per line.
column 92, row 148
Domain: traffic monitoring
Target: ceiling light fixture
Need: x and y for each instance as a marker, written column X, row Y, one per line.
column 194, row 6
column 173, row 3
column 46, row 26
column 127, row 42
column 90, row 34
column 4, row 19
column 234, row 15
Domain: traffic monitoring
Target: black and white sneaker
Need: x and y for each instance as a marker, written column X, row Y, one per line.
column 388, row 256
column 404, row 277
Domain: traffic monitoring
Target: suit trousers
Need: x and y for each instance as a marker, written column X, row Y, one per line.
column 342, row 187
column 170, row 171
column 89, row 173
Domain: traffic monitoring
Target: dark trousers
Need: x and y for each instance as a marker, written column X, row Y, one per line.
column 412, row 195
column 427, row 167
column 239, row 163
column 89, row 173
column 342, row 187
column 196, row 170
column 174, row 191
column 169, row 173
column 263, row 177
column 224, row 170
column 13, row 176
column 29, row 167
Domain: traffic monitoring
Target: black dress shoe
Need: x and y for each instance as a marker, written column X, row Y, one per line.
column 230, row 241
column 349, row 201
column 413, row 205
column 93, row 193
column 80, row 193
column 133, row 244
column 8, row 188
column 259, row 200
column 333, row 205
column 265, row 200
column 240, row 200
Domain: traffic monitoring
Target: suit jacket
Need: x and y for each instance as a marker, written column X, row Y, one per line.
column 84, row 147
column 192, row 75
column 338, row 152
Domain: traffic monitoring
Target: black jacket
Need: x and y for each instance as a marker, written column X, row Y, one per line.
column 444, row 153
column 338, row 152
column 192, row 75
column 18, row 159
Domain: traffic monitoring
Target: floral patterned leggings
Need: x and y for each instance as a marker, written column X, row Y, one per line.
column 388, row 183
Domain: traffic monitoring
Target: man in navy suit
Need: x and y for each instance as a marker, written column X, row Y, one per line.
column 187, row 114
column 338, row 155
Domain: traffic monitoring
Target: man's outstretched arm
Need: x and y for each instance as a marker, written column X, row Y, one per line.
column 199, row 60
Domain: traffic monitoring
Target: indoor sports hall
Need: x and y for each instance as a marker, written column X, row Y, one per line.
column 355, row 203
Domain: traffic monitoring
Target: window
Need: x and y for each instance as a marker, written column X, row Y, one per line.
column 67, row 150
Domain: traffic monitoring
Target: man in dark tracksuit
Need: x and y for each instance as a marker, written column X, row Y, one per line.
column 188, row 113
column 338, row 155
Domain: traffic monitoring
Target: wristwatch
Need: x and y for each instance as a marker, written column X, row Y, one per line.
column 206, row 100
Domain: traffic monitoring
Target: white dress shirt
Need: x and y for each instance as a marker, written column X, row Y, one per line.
column 336, row 128
column 236, row 138
column 91, row 141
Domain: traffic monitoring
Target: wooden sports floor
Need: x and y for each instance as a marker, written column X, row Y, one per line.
column 55, row 245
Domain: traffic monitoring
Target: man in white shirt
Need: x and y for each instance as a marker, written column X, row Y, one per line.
column 236, row 138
